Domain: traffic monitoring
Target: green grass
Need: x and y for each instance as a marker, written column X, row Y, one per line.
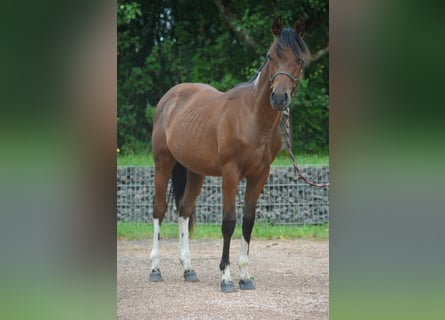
column 282, row 160
column 134, row 231
column 142, row 159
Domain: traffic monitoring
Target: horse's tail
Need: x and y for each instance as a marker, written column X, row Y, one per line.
column 179, row 179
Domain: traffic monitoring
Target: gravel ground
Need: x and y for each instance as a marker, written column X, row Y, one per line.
column 291, row 279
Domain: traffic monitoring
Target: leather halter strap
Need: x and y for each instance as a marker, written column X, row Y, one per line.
column 287, row 74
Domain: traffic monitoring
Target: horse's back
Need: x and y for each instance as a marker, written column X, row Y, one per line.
column 185, row 97
column 186, row 91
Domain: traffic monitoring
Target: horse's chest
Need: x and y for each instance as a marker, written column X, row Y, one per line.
column 265, row 154
column 261, row 158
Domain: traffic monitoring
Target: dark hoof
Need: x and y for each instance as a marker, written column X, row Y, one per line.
column 190, row 276
column 155, row 276
column 227, row 286
column 246, row 285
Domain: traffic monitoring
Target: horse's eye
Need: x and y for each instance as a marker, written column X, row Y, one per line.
column 268, row 57
column 300, row 61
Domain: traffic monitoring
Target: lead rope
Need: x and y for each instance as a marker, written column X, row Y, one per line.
column 291, row 154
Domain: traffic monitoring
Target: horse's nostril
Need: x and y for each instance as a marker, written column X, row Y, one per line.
column 279, row 99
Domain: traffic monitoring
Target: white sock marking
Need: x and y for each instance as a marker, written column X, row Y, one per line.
column 154, row 256
column 184, row 255
column 226, row 277
column 243, row 260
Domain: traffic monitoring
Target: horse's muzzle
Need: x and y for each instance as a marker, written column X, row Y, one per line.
column 279, row 101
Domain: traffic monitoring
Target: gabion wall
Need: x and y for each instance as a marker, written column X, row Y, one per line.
column 285, row 199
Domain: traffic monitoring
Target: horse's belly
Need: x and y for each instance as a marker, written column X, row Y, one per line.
column 199, row 164
column 202, row 168
column 195, row 156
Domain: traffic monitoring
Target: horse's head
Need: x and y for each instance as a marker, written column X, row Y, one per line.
column 287, row 57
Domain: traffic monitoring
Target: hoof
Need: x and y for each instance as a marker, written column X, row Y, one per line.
column 155, row 276
column 190, row 276
column 246, row 285
column 227, row 286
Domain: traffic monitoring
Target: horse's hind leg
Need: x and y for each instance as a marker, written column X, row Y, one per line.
column 163, row 168
column 253, row 190
column 186, row 209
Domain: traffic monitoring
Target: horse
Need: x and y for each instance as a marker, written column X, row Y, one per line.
column 199, row 131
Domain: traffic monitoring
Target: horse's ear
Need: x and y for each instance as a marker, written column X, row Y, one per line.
column 299, row 26
column 277, row 26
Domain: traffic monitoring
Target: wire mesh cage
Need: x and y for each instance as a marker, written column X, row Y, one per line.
column 284, row 200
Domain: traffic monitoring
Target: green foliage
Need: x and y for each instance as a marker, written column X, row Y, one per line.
column 310, row 113
column 165, row 42
column 128, row 12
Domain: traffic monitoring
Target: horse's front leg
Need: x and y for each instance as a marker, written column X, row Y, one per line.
column 230, row 181
column 253, row 190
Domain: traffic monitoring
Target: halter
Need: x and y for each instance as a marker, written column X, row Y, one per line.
column 271, row 79
column 287, row 74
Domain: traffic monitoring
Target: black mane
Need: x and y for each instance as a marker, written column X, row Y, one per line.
column 254, row 76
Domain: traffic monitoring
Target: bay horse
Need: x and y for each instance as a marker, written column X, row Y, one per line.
column 199, row 131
